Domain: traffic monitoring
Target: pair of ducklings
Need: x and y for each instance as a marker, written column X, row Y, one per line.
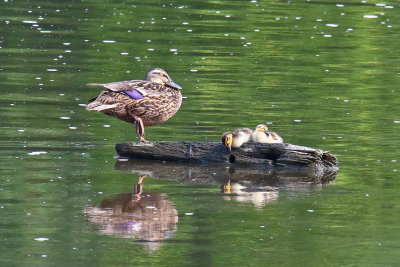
column 240, row 136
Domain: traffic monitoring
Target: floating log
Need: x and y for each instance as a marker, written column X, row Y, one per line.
column 265, row 156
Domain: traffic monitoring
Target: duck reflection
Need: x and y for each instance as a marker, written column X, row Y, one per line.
column 142, row 215
column 244, row 192
column 258, row 186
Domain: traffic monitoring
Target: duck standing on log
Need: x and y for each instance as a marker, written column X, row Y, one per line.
column 263, row 135
column 143, row 103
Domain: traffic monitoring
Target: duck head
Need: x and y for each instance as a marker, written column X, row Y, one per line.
column 262, row 128
column 158, row 75
column 227, row 140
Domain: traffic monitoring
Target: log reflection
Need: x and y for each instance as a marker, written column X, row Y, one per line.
column 143, row 215
column 244, row 184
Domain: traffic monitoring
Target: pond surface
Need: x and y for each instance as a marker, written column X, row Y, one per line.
column 322, row 74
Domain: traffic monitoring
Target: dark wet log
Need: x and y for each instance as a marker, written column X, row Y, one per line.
column 265, row 156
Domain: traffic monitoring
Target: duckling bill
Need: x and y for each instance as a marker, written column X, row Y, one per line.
column 141, row 102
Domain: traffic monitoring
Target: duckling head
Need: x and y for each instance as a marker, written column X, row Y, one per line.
column 227, row 140
column 262, row 128
column 158, row 75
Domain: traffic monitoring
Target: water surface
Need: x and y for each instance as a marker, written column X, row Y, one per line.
column 321, row 74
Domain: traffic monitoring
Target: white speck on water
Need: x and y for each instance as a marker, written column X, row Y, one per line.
column 109, row 41
column 396, row 121
column 123, row 159
column 194, row 70
column 298, row 18
column 21, row 130
column 124, row 53
column 65, row 118
column 332, row 25
column 43, row 31
column 297, row 120
column 380, row 4
column 185, row 23
column 38, row 78
column 189, row 30
column 73, row 127
column 339, row 5
column 150, row 49
column 367, row 195
column 29, row 21
column 173, row 50
column 319, row 20
column 52, row 70
column 310, row 210
column 394, row 160
column 327, row 35
column 43, row 256
column 262, row 226
column 370, row 16
column 106, row 126
column 189, row 213
column 100, row 193
column 389, row 6
column 35, row 153
column 345, row 100
column 41, row 239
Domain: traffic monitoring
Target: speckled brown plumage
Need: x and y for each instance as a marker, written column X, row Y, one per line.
column 161, row 99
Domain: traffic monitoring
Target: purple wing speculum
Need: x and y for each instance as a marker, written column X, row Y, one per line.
column 134, row 94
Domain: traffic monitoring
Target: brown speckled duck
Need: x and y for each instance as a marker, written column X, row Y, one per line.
column 263, row 135
column 236, row 138
column 143, row 103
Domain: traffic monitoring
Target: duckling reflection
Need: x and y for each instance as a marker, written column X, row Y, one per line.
column 142, row 215
column 240, row 192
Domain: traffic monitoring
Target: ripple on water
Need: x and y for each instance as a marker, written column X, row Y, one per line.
column 370, row 16
column 35, row 153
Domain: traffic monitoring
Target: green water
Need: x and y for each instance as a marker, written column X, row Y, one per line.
column 321, row 73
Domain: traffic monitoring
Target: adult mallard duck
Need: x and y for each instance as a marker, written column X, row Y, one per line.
column 143, row 103
column 263, row 135
column 236, row 138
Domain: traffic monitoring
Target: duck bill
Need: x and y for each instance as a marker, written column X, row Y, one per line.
column 229, row 144
column 173, row 85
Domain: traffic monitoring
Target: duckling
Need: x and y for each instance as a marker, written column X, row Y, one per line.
column 141, row 102
column 237, row 138
column 262, row 135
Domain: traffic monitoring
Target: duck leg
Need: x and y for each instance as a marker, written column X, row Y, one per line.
column 139, row 127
